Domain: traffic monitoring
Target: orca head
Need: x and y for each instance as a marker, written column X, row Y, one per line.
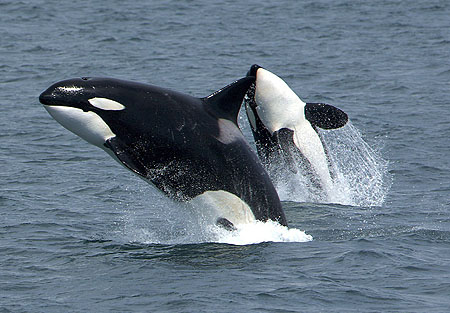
column 271, row 104
column 80, row 105
column 112, row 114
column 277, row 106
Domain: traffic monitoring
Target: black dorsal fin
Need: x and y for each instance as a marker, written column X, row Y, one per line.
column 226, row 102
column 325, row 116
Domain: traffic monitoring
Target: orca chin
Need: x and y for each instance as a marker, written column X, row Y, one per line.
column 189, row 148
column 285, row 128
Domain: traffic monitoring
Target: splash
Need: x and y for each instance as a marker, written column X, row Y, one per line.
column 245, row 234
column 361, row 172
column 258, row 232
column 360, row 175
column 360, row 179
column 175, row 223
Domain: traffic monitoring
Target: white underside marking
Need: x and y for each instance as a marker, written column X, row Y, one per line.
column 217, row 204
column 87, row 125
column 106, row 104
column 277, row 105
column 308, row 142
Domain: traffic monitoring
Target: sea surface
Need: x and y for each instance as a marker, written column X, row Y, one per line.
column 79, row 233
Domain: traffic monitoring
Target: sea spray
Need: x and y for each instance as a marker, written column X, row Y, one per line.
column 179, row 223
column 360, row 176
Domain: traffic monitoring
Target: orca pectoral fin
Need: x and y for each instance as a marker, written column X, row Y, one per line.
column 287, row 151
column 325, row 116
column 226, row 224
column 125, row 156
column 226, row 102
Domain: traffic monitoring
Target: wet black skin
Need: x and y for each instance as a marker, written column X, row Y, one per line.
column 171, row 139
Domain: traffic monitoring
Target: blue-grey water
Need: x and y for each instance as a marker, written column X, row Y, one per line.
column 80, row 233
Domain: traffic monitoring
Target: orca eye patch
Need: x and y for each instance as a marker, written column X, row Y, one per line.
column 106, row 104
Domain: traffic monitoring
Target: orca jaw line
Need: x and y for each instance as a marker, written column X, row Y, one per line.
column 86, row 124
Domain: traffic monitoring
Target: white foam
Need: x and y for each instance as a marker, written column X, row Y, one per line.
column 246, row 234
column 162, row 221
column 258, row 232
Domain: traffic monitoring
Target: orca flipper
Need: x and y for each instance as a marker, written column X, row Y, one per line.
column 122, row 152
column 226, row 102
column 325, row 116
column 285, row 141
column 226, row 224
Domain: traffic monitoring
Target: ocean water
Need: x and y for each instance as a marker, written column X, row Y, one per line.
column 79, row 233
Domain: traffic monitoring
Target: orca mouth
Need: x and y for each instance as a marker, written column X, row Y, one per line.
column 249, row 98
column 52, row 99
column 251, row 108
column 66, row 93
column 63, row 95
column 52, row 96
column 48, row 99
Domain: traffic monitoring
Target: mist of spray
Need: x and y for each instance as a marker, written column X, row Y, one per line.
column 359, row 172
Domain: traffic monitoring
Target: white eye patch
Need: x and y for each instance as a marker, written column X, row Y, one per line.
column 106, row 104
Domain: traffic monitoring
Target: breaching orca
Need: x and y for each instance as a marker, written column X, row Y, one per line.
column 185, row 146
column 285, row 128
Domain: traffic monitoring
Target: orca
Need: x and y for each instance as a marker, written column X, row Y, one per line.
column 189, row 148
column 285, row 128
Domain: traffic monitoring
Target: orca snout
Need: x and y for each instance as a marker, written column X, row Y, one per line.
column 63, row 92
column 253, row 69
column 45, row 97
column 48, row 97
